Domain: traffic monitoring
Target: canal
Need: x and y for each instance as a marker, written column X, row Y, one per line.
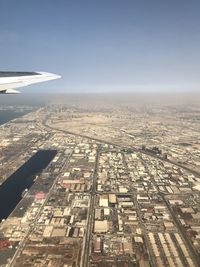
column 12, row 188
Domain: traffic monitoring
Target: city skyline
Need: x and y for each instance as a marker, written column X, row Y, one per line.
column 92, row 182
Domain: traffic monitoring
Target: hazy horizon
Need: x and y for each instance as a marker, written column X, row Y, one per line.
column 187, row 99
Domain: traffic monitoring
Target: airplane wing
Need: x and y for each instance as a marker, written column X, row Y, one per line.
column 9, row 80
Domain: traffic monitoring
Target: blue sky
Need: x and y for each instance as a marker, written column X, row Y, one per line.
column 104, row 45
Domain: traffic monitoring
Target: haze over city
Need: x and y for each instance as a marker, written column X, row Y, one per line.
column 100, row 152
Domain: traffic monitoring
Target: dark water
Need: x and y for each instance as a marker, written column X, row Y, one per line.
column 7, row 115
column 11, row 189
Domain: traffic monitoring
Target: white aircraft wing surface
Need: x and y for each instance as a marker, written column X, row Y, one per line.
column 9, row 80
